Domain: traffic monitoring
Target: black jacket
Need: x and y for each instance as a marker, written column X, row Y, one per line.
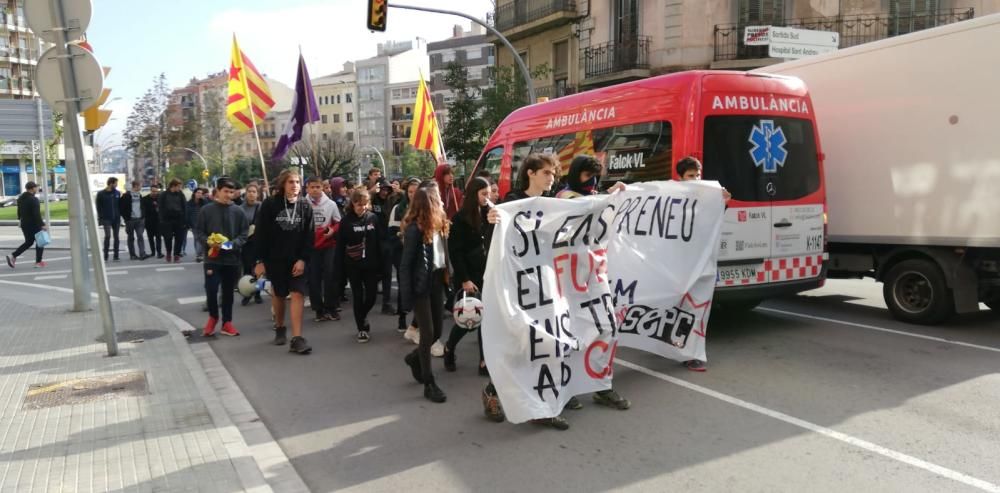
column 125, row 206
column 416, row 269
column 467, row 248
column 284, row 232
column 172, row 207
column 108, row 211
column 151, row 211
column 359, row 241
column 191, row 213
column 29, row 212
column 227, row 220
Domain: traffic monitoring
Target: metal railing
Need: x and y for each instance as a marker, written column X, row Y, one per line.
column 853, row 30
column 615, row 56
column 554, row 91
column 520, row 12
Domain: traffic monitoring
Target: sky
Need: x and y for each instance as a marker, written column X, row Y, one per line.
column 139, row 39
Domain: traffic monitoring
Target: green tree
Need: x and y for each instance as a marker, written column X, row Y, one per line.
column 417, row 163
column 506, row 94
column 464, row 135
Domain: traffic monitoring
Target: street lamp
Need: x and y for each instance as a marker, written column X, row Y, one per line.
column 385, row 171
column 203, row 161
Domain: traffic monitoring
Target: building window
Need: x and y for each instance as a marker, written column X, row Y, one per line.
column 560, row 58
column 350, row 136
column 323, row 117
column 524, row 56
column 338, row 99
column 448, row 56
column 336, row 118
column 350, row 117
column 753, row 12
column 325, row 137
column 347, row 97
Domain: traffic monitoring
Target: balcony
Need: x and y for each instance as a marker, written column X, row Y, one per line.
column 554, row 91
column 730, row 52
column 615, row 61
column 521, row 18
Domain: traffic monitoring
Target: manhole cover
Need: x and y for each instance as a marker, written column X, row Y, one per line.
column 132, row 335
column 83, row 390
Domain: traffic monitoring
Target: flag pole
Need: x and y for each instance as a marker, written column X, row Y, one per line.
column 253, row 121
column 307, row 85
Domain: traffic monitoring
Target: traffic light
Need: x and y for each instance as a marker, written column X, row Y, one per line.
column 204, row 174
column 95, row 117
column 376, row 15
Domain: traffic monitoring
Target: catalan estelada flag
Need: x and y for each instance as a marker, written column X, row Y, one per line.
column 247, row 89
column 583, row 143
column 424, row 133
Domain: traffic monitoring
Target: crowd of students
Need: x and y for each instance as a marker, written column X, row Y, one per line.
column 429, row 235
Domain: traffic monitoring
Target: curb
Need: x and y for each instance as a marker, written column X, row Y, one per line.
column 13, row 222
column 271, row 469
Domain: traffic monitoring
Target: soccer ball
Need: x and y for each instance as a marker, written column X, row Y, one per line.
column 468, row 312
column 247, row 286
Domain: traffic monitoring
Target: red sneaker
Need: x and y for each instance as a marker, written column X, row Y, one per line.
column 229, row 330
column 177, row 260
column 170, row 259
column 40, row 265
column 210, row 327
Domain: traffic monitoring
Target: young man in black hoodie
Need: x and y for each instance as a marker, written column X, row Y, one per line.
column 284, row 233
column 135, row 224
column 222, row 261
column 151, row 214
column 29, row 212
column 109, row 214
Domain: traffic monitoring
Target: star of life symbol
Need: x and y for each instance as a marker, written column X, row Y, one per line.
column 768, row 146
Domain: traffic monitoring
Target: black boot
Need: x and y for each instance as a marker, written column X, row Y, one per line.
column 433, row 393
column 449, row 358
column 413, row 361
column 280, row 336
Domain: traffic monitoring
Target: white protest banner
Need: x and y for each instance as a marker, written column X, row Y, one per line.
column 549, row 321
column 661, row 264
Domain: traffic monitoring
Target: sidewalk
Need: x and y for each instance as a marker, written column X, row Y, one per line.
column 149, row 419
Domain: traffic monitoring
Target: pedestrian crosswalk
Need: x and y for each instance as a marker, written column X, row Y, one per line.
column 50, row 278
column 168, row 269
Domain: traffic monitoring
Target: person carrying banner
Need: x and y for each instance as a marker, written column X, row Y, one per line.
column 359, row 248
column 581, row 181
column 467, row 247
column 423, row 275
column 689, row 169
column 285, row 234
column 535, row 178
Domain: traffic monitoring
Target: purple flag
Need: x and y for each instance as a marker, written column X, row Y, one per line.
column 304, row 110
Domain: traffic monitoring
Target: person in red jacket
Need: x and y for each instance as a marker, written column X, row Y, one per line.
column 451, row 196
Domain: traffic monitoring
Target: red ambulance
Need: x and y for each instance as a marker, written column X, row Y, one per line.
column 756, row 134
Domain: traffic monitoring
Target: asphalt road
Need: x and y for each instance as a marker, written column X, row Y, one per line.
column 818, row 392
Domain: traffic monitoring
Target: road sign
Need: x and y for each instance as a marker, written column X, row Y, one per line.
column 192, row 185
column 788, row 42
column 19, row 120
column 88, row 72
column 39, row 16
column 757, row 35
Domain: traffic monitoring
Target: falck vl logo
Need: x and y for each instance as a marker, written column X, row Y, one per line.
column 768, row 146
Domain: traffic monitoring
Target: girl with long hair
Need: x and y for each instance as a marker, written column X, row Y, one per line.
column 467, row 246
column 250, row 206
column 423, row 277
column 395, row 239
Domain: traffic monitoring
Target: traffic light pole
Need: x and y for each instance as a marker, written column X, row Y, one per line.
column 517, row 58
column 74, row 137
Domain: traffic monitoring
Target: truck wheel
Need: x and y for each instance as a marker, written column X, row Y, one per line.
column 915, row 291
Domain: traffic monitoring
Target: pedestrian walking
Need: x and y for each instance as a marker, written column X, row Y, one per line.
column 29, row 215
column 359, row 248
column 198, row 200
column 250, row 208
column 450, row 195
column 423, row 276
column 221, row 229
column 172, row 209
column 394, row 238
column 135, row 223
column 322, row 280
column 381, row 204
column 109, row 214
column 151, row 215
column 285, row 234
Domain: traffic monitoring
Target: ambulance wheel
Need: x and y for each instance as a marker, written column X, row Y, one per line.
column 916, row 292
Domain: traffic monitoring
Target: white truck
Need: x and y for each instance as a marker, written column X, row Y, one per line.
column 911, row 131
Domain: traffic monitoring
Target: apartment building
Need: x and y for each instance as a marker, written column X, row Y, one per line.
column 336, row 96
column 396, row 63
column 472, row 50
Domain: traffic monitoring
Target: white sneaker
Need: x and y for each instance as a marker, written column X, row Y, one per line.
column 437, row 350
column 412, row 334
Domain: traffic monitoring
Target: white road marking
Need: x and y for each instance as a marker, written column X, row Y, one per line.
column 46, row 278
column 822, row 430
column 190, row 300
column 116, row 272
column 882, row 329
column 109, row 269
column 56, row 259
column 168, row 269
